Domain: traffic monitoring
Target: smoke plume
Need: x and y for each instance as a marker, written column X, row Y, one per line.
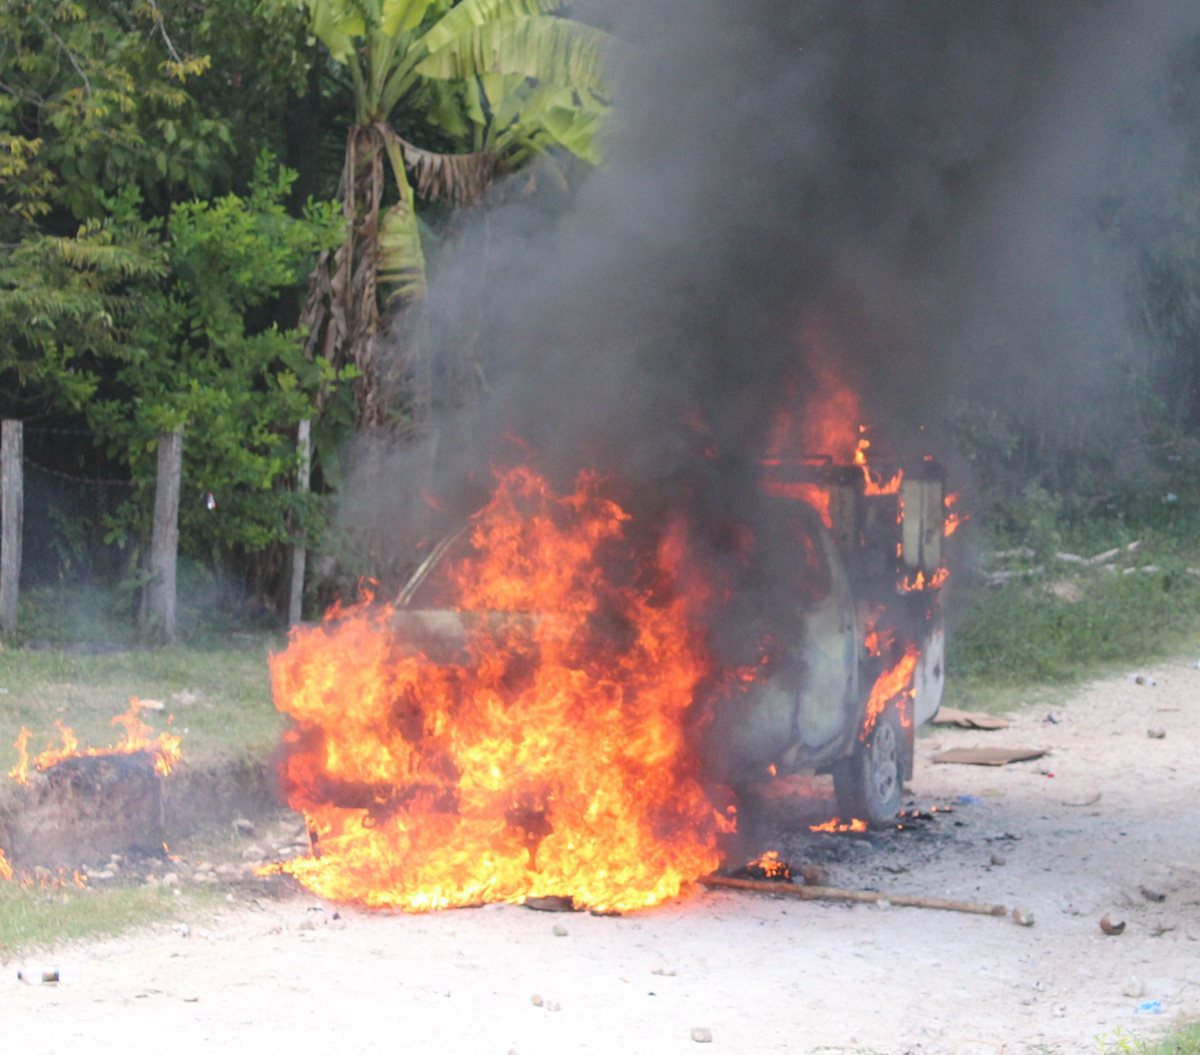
column 941, row 202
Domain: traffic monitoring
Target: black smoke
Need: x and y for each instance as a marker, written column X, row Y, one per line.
column 945, row 201
column 947, row 198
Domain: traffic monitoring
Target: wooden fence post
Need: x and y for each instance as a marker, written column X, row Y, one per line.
column 164, row 545
column 299, row 553
column 12, row 502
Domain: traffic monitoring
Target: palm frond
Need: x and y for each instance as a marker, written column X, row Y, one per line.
column 472, row 14
column 401, row 262
column 458, row 179
column 403, row 16
column 336, row 24
column 548, row 49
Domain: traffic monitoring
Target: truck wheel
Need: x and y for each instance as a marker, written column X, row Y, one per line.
column 869, row 785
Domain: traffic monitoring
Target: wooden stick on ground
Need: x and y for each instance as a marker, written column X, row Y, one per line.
column 831, row 893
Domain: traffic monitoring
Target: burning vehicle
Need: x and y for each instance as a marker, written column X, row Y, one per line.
column 543, row 712
column 874, row 639
column 866, row 666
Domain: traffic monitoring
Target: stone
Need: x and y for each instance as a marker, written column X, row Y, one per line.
column 702, row 1034
column 1133, row 987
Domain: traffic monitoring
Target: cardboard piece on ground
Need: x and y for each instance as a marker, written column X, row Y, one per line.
column 968, row 719
column 988, row 756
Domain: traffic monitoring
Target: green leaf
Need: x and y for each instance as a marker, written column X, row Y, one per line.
column 403, row 16
column 553, row 50
column 401, row 256
column 462, row 18
column 336, row 23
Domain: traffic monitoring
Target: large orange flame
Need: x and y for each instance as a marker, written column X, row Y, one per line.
column 894, row 685
column 548, row 758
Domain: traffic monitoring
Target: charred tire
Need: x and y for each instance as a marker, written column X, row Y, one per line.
column 869, row 785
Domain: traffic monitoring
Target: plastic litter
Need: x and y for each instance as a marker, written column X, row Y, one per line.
column 968, row 800
column 1149, row 1007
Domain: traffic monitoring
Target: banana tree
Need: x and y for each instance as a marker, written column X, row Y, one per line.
column 510, row 80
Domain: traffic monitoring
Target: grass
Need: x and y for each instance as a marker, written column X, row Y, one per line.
column 1185, row 1041
column 218, row 697
column 1062, row 624
column 220, row 702
column 31, row 916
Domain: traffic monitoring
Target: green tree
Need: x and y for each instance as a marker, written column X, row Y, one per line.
column 150, row 274
column 491, row 84
column 101, row 94
column 192, row 355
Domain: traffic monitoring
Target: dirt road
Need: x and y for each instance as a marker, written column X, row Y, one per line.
column 1105, row 824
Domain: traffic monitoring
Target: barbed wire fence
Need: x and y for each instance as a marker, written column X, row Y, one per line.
column 63, row 522
column 68, row 511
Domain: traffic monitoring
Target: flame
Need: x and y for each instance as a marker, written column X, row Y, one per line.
column 165, row 748
column 838, row 826
column 20, row 772
column 43, row 882
column 921, row 581
column 895, row 683
column 548, row 759
column 953, row 520
column 771, row 866
column 875, row 637
column 873, row 484
column 827, row 425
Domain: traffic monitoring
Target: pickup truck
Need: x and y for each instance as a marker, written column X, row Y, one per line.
column 866, row 667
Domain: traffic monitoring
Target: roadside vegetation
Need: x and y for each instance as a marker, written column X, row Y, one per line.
column 1065, row 585
column 1185, row 1041
column 217, row 698
column 36, row 914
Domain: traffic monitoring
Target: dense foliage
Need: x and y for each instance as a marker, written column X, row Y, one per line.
column 210, row 227
column 154, row 253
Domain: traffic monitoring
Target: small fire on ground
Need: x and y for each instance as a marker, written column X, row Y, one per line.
column 164, row 749
column 838, row 826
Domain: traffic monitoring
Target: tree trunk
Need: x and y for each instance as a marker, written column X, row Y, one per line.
column 342, row 311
